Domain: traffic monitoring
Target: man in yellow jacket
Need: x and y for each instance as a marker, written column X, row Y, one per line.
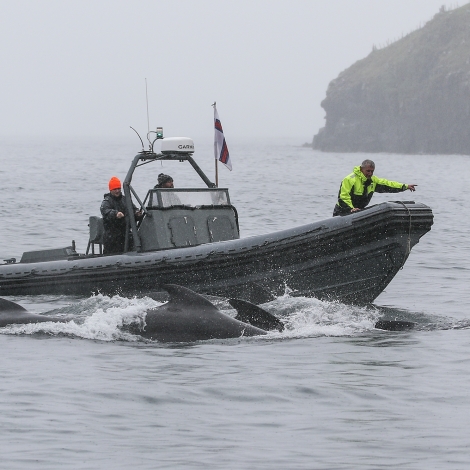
column 357, row 189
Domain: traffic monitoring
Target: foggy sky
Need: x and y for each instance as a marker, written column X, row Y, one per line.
column 78, row 68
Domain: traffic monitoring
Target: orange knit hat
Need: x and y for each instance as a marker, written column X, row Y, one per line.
column 114, row 183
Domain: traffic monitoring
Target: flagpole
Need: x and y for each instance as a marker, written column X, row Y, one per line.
column 216, row 159
column 220, row 146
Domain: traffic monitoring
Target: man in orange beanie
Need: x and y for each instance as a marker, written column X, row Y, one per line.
column 113, row 209
column 114, row 183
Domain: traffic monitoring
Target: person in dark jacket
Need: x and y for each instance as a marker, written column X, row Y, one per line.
column 113, row 209
column 357, row 189
column 164, row 181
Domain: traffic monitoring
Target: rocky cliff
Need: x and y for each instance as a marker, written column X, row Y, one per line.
column 412, row 96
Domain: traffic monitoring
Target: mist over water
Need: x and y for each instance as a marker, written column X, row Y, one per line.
column 329, row 392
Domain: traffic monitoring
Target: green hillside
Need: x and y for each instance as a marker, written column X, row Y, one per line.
column 412, row 96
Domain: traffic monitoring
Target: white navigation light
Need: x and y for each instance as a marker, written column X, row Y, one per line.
column 177, row 145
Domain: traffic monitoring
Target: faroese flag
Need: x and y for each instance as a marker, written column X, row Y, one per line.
column 220, row 146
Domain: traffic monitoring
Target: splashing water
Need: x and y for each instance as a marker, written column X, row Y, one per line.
column 98, row 317
column 307, row 317
column 106, row 318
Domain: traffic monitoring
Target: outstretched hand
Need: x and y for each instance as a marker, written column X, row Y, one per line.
column 411, row 187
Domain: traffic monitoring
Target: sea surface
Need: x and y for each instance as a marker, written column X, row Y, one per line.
column 331, row 392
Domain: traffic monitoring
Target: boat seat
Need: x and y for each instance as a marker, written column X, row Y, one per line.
column 96, row 234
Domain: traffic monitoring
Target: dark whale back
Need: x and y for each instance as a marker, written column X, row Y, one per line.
column 189, row 317
column 394, row 325
column 14, row 314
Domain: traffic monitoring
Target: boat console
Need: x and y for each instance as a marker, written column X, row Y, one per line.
column 177, row 218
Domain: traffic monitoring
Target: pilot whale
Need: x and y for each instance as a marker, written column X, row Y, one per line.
column 186, row 317
column 189, row 317
column 14, row 314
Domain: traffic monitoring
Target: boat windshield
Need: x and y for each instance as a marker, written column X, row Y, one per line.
column 188, row 197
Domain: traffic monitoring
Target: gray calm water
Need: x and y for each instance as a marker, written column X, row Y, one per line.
column 329, row 393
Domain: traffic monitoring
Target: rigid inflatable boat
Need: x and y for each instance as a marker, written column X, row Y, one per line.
column 191, row 237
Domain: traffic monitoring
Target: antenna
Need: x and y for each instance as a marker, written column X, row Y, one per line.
column 142, row 142
column 147, row 99
column 158, row 133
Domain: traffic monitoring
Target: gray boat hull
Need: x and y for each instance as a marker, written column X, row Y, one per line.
column 351, row 259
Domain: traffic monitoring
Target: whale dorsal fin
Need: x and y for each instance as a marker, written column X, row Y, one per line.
column 180, row 296
column 255, row 315
column 7, row 305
